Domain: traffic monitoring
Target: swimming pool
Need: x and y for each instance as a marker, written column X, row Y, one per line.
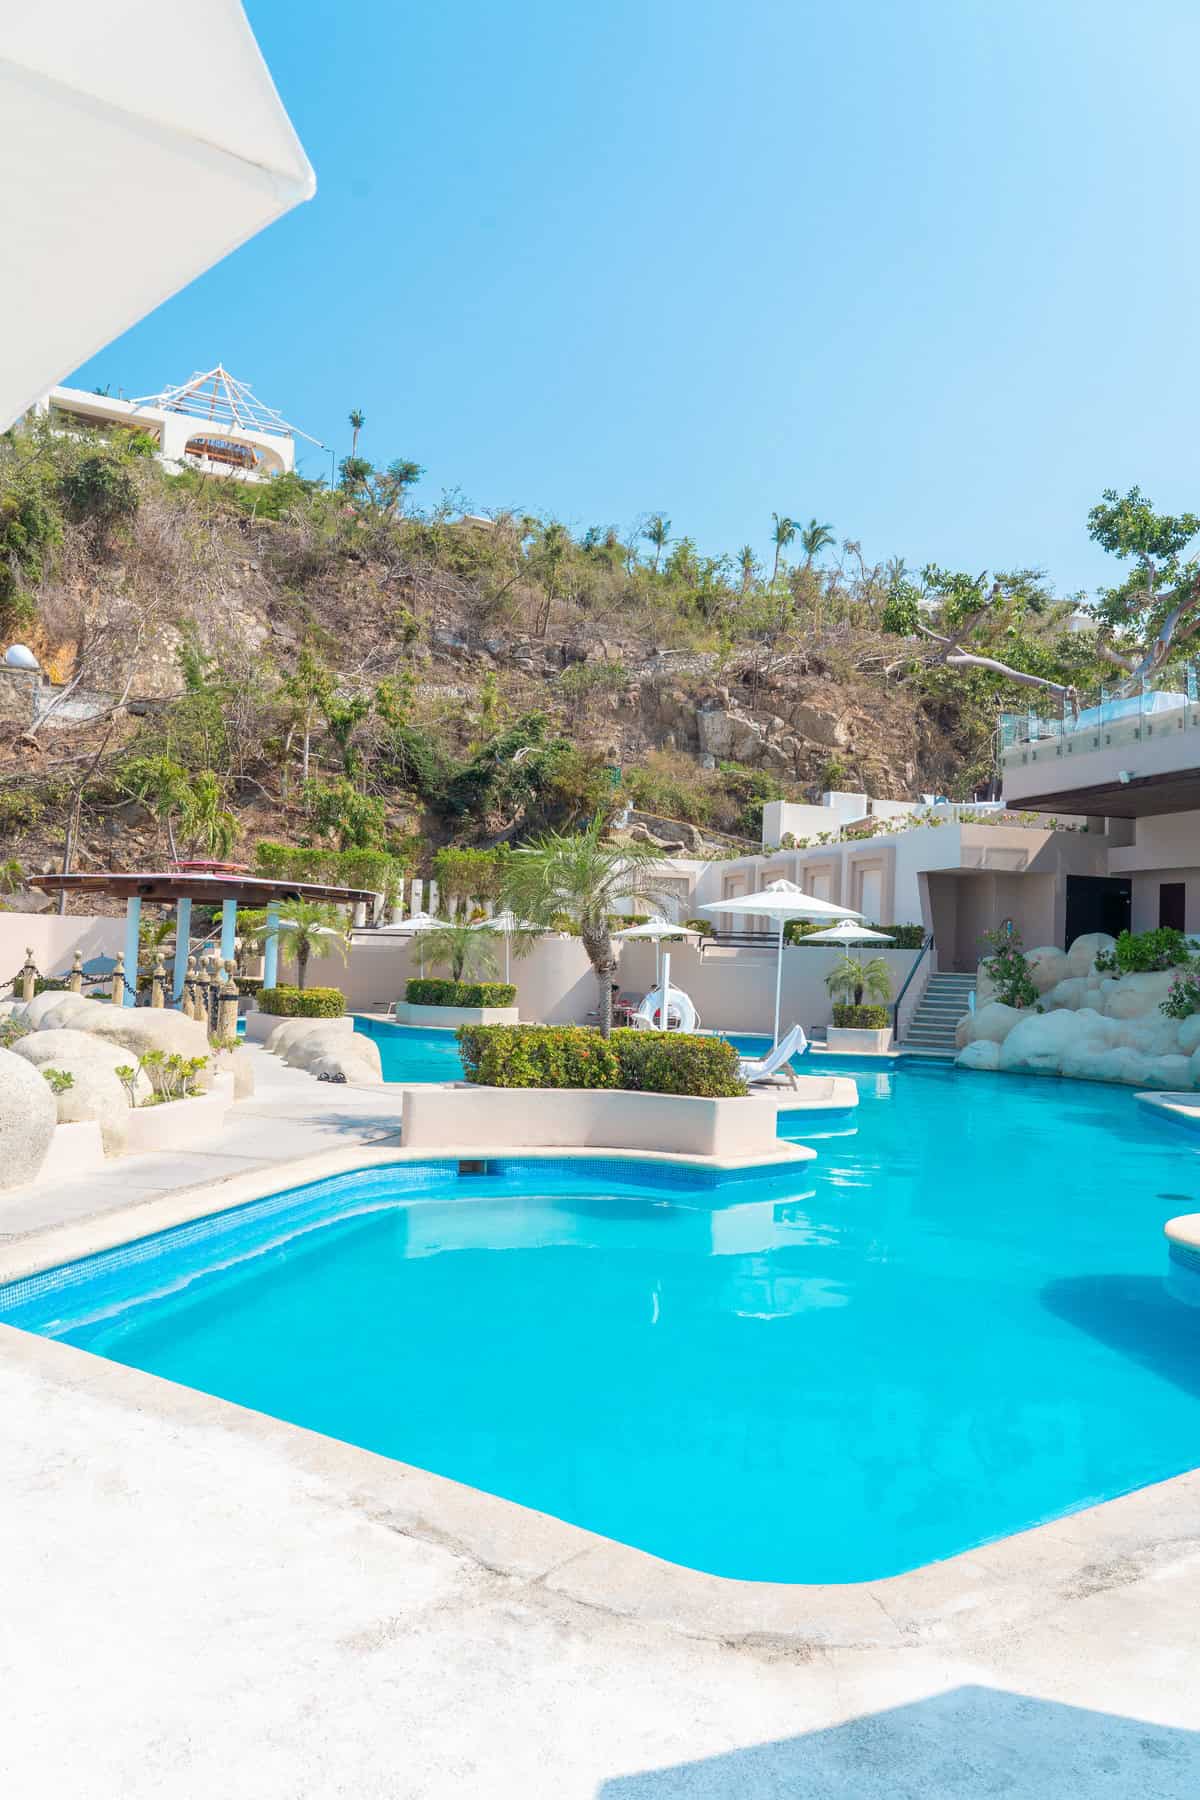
column 947, row 1327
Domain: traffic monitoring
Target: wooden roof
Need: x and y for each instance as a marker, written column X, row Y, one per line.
column 179, row 884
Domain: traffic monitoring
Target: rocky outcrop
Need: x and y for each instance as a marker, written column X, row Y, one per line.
column 328, row 1048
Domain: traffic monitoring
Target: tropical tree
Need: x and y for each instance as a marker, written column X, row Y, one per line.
column 582, row 878
column 748, row 564
column 658, row 533
column 852, row 979
column 309, row 928
column 815, row 538
column 463, row 949
column 205, row 822
column 1156, row 610
column 162, row 786
column 783, row 533
column 357, row 421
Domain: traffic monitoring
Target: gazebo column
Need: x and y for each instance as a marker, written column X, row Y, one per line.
column 271, row 949
column 133, row 920
column 183, row 943
column 229, row 929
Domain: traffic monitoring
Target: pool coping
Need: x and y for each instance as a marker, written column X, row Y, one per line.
column 998, row 1587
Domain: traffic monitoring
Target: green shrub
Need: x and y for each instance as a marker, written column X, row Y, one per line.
column 1145, row 953
column 576, row 1056
column 1184, row 997
column 302, row 1003
column 672, row 1062
column 1008, row 969
column 904, row 937
column 861, row 1018
column 428, row 991
column 43, row 984
column 704, row 926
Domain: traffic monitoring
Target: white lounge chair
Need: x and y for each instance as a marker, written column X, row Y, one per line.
column 778, row 1061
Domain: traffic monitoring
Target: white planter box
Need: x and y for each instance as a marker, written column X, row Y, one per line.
column 181, row 1123
column 483, row 1118
column 75, row 1149
column 449, row 1018
column 851, row 1041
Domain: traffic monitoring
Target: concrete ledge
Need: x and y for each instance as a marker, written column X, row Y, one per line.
column 851, row 1041
column 568, row 1118
column 75, row 1149
column 180, row 1122
column 449, row 1018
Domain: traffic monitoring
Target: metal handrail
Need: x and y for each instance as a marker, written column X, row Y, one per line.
column 925, row 948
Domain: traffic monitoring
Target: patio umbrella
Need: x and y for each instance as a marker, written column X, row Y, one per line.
column 413, row 926
column 781, row 900
column 140, row 142
column 511, row 927
column 658, row 929
column 847, row 933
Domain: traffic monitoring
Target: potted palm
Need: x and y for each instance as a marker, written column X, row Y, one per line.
column 860, row 991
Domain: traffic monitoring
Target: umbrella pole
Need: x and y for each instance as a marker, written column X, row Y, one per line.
column 778, row 982
column 506, row 956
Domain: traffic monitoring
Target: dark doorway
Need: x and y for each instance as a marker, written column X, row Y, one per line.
column 1171, row 898
column 1097, row 903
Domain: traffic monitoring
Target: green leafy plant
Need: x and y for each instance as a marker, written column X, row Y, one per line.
column 1007, row 968
column 577, row 1056
column 11, row 1032
column 849, row 1017
column 854, row 980
column 60, row 1080
column 460, row 948
column 310, row 928
column 302, row 1003
column 1184, row 997
column 427, row 991
column 1145, row 952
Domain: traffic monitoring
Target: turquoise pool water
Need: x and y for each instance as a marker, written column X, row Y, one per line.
column 950, row 1325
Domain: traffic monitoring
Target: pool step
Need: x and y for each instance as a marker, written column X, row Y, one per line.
column 945, row 1000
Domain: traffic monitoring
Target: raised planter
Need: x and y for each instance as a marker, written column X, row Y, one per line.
column 181, row 1123
column 75, row 1149
column 853, row 1041
column 451, row 1017
column 483, row 1119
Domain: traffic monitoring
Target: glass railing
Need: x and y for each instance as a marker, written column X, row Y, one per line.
column 1034, row 727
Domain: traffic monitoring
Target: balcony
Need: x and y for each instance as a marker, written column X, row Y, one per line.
column 1124, row 759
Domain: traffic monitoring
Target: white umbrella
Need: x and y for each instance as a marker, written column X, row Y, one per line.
column 781, row 900
column 847, row 933
column 140, row 142
column 510, row 925
column 418, row 921
column 658, row 929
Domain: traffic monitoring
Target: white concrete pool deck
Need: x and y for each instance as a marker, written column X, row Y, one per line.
column 202, row 1602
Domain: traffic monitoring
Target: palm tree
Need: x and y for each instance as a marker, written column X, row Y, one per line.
column 162, row 785
column 815, row 538
column 357, row 421
column 204, row 819
column 311, row 928
column 582, row 878
column 784, row 532
column 851, row 978
column 658, row 533
column 459, row 948
column 747, row 563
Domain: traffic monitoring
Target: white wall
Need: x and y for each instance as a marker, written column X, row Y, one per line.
column 54, row 940
column 734, row 990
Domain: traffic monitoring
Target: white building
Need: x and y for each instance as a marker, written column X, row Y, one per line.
column 212, row 423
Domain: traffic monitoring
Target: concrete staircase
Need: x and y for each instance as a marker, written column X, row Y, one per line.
column 941, row 1006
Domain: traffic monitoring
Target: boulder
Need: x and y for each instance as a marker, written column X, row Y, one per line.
column 28, row 1116
column 987, row 1024
column 1048, row 966
column 1167, row 1072
column 1035, row 1046
column 37, row 1008
column 324, row 1051
column 80, row 1052
column 289, row 1031
column 1081, row 955
column 97, row 1094
column 68, row 1008
column 1135, row 996
column 981, row 1054
column 1189, row 1034
column 139, row 1029
column 1074, row 992
column 345, row 1065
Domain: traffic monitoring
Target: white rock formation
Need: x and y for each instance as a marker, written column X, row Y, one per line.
column 289, row 1030
column 1082, row 955
column 333, row 1053
column 28, row 1116
column 987, row 1024
column 981, row 1054
column 80, row 1053
column 142, row 1028
column 1048, row 966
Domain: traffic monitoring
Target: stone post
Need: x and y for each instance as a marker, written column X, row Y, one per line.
column 157, row 980
column 227, row 1008
column 212, row 995
column 28, row 976
column 75, row 978
column 118, row 980
column 190, row 979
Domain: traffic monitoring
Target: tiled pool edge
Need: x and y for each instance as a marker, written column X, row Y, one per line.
column 979, row 1593
column 31, row 1254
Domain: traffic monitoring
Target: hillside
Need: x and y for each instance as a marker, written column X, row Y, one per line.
column 335, row 668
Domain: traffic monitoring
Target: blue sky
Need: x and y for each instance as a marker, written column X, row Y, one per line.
column 926, row 269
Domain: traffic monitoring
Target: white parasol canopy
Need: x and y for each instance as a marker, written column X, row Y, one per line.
column 511, row 926
column 415, row 922
column 781, row 900
column 140, row 142
column 847, row 933
column 658, row 929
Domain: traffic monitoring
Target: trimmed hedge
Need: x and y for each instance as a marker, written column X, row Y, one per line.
column 576, row 1056
column 904, row 937
column 302, row 1003
column 861, row 1018
column 427, row 991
